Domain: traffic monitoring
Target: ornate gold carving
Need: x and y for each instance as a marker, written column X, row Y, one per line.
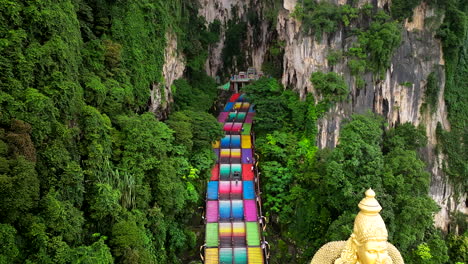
column 368, row 242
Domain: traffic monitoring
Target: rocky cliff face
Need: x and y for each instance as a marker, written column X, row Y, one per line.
column 399, row 97
column 173, row 69
column 220, row 10
column 225, row 10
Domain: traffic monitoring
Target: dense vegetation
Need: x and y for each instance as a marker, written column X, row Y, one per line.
column 454, row 35
column 431, row 94
column 310, row 195
column 87, row 175
column 401, row 9
column 331, row 86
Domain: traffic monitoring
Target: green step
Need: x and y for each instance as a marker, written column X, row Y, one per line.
column 253, row 236
column 212, row 234
column 247, row 127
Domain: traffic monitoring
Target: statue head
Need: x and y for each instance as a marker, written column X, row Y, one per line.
column 368, row 242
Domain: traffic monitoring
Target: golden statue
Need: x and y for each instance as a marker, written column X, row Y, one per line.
column 368, row 242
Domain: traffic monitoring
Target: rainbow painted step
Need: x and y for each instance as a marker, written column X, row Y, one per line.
column 238, row 255
column 233, row 234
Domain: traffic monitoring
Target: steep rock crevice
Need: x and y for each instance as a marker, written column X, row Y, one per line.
column 173, row 69
column 258, row 34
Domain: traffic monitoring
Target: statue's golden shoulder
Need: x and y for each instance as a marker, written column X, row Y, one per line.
column 395, row 254
column 330, row 252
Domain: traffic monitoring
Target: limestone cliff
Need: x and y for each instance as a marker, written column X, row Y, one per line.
column 220, row 10
column 257, row 38
column 419, row 54
column 173, row 69
column 399, row 96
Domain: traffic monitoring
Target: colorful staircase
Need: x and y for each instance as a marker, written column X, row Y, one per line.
column 233, row 208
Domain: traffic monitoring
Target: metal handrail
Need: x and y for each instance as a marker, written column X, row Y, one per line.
column 264, row 222
column 268, row 254
column 201, row 250
column 203, row 214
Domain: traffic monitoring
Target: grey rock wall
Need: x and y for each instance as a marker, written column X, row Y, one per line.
column 173, row 69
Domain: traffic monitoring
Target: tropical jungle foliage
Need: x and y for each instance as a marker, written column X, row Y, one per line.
column 87, row 174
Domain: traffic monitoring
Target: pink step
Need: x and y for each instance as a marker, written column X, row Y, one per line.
column 212, row 211
column 224, row 187
column 236, row 187
column 250, row 210
column 222, row 117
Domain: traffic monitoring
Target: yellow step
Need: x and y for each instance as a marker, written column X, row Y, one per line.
column 246, row 141
column 211, row 256
column 255, row 255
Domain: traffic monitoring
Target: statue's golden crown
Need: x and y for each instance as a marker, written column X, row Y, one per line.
column 368, row 224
